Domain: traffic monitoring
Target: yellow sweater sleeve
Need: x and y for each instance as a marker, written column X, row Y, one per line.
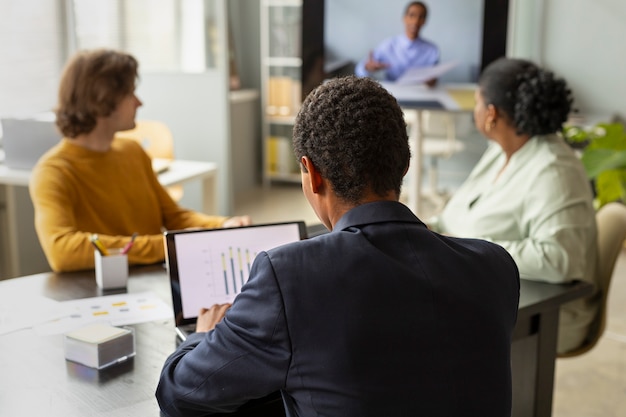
column 77, row 192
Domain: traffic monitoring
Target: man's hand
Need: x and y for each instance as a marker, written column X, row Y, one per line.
column 432, row 82
column 372, row 65
column 237, row 221
column 209, row 317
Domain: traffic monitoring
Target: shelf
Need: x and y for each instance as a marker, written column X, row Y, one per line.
column 292, row 43
column 283, row 3
column 281, row 120
column 283, row 62
column 284, row 177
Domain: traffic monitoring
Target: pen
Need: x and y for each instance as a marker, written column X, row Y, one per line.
column 96, row 242
column 126, row 248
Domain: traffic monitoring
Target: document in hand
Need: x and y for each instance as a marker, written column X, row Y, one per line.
column 420, row 75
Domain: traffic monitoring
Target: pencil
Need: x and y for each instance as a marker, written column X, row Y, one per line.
column 98, row 244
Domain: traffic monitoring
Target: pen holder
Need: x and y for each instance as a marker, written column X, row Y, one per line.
column 111, row 270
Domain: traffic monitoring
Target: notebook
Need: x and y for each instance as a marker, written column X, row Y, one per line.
column 209, row 266
column 25, row 140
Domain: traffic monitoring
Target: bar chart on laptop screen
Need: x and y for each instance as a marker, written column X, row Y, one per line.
column 214, row 265
column 236, row 264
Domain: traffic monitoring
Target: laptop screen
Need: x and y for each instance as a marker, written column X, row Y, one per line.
column 209, row 266
column 25, row 140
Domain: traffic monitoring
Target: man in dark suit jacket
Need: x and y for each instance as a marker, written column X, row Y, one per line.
column 379, row 317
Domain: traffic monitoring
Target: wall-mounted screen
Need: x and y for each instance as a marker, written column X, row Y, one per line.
column 458, row 27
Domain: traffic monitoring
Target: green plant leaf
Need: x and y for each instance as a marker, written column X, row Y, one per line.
column 575, row 134
column 607, row 136
column 610, row 186
column 598, row 160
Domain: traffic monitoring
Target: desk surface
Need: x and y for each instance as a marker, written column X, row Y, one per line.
column 539, row 296
column 448, row 97
column 179, row 171
column 37, row 380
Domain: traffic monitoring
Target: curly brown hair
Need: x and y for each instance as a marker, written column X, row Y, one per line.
column 92, row 85
column 354, row 132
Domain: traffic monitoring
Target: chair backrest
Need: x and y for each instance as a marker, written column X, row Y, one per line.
column 611, row 221
column 440, row 136
column 154, row 136
column 158, row 142
column 439, row 124
column 435, row 123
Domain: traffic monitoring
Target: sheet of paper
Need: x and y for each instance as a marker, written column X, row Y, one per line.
column 26, row 312
column 420, row 75
column 116, row 310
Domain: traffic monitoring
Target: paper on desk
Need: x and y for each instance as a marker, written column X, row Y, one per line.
column 420, row 75
column 116, row 310
column 26, row 312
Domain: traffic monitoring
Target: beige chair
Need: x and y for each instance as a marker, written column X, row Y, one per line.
column 157, row 140
column 611, row 220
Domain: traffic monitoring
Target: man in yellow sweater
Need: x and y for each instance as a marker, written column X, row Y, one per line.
column 92, row 183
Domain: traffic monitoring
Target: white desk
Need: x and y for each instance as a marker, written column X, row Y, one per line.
column 19, row 247
column 414, row 99
column 181, row 171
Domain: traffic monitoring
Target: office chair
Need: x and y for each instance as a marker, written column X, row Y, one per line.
column 439, row 141
column 611, row 221
column 157, row 140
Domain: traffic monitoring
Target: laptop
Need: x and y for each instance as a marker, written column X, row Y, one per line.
column 24, row 141
column 209, row 266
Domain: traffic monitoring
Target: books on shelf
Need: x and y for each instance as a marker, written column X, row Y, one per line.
column 280, row 157
column 283, row 96
column 99, row 345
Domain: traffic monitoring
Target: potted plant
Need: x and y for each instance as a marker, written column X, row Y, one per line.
column 603, row 153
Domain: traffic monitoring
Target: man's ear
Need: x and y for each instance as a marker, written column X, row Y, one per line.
column 314, row 177
column 408, row 165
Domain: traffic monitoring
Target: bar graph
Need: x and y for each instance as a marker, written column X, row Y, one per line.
column 214, row 266
column 236, row 268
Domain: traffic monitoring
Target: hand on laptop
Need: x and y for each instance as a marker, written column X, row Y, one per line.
column 237, row 221
column 209, row 317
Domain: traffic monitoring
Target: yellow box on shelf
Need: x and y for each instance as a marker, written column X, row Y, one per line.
column 280, row 96
column 280, row 158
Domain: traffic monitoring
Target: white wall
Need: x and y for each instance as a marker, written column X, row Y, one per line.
column 582, row 41
column 196, row 109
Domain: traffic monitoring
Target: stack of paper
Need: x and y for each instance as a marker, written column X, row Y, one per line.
column 419, row 75
column 99, row 345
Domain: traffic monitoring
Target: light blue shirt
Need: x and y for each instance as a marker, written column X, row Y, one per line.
column 401, row 53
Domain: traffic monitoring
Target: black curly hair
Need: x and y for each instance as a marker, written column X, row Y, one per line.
column 354, row 132
column 534, row 100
